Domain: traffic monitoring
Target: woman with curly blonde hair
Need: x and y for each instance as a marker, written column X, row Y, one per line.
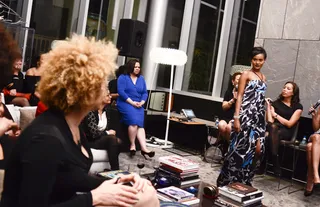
column 50, row 163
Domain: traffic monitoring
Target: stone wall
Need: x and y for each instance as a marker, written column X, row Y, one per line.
column 289, row 30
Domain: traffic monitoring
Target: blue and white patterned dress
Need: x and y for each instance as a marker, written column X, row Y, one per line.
column 238, row 164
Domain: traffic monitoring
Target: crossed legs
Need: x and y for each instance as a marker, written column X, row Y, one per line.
column 224, row 129
column 137, row 132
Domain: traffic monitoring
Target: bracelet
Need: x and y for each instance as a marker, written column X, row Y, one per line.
column 236, row 117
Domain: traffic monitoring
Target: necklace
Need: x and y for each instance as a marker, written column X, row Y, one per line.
column 257, row 75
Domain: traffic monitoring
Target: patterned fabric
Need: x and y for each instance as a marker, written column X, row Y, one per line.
column 239, row 162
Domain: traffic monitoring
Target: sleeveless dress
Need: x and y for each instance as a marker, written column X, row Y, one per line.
column 239, row 163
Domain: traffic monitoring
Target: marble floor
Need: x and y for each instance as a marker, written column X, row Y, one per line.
column 267, row 184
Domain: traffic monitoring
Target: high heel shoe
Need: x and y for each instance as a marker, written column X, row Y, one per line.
column 132, row 153
column 150, row 154
column 307, row 193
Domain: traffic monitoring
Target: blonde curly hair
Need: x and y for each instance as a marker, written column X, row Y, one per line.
column 74, row 71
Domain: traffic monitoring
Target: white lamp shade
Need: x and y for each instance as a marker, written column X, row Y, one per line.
column 168, row 56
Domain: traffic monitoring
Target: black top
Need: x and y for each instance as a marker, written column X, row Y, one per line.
column 46, row 167
column 90, row 125
column 113, row 86
column 17, row 81
column 228, row 115
column 286, row 112
column 30, row 83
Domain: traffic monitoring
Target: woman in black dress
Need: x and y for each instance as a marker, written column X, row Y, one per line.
column 283, row 116
column 50, row 162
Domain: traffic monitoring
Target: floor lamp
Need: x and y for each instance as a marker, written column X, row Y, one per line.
column 168, row 56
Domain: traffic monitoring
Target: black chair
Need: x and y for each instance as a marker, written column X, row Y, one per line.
column 298, row 149
column 291, row 145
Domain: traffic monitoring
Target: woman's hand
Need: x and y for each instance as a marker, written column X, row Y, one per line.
column 273, row 113
column 236, row 125
column 111, row 194
column 13, row 92
column 268, row 101
column 312, row 111
column 6, row 125
column 111, row 132
column 138, row 183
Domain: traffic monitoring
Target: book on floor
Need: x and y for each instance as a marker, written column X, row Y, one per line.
column 224, row 201
column 242, row 188
column 112, row 174
column 239, row 197
column 175, row 193
column 179, row 162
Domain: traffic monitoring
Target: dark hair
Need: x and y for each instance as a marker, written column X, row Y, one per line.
column 235, row 74
column 9, row 53
column 121, row 70
column 296, row 94
column 258, row 50
column 130, row 66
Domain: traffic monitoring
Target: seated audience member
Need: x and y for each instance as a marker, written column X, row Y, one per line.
column 313, row 155
column 113, row 87
column 50, row 162
column 228, row 106
column 95, row 126
column 32, row 78
column 282, row 117
column 8, row 138
column 14, row 91
column 132, row 96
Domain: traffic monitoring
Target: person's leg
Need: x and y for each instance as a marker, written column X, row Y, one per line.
column 111, row 144
column 222, row 127
column 315, row 139
column 141, row 136
column 274, row 147
column 148, row 198
column 20, row 101
column 228, row 131
column 132, row 133
column 309, row 186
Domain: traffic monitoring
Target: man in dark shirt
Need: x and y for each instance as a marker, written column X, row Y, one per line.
column 228, row 106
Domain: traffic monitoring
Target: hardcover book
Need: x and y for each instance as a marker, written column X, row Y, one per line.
column 179, row 162
column 175, row 193
column 112, row 174
column 242, row 188
column 239, row 197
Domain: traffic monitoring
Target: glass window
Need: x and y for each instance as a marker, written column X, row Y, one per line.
column 201, row 77
column 97, row 19
column 171, row 37
column 215, row 3
column 246, row 31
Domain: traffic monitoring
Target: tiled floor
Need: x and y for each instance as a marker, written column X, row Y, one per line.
column 267, row 184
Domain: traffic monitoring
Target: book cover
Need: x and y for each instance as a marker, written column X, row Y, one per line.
column 239, row 197
column 242, row 188
column 175, row 193
column 223, row 201
column 112, row 174
column 177, row 170
column 179, row 162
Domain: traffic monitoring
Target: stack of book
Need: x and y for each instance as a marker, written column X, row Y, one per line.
column 181, row 171
column 175, row 194
column 237, row 195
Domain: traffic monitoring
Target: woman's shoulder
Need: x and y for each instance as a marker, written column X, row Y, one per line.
column 298, row 106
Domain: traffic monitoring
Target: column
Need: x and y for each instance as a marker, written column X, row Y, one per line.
column 157, row 18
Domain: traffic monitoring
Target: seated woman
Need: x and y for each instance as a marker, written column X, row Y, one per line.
column 313, row 155
column 228, row 106
column 14, row 91
column 50, row 162
column 95, row 126
column 113, row 86
column 282, row 117
column 32, row 78
column 132, row 96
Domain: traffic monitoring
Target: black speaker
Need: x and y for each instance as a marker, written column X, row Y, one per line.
column 131, row 38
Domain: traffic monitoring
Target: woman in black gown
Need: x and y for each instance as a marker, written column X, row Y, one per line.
column 50, row 162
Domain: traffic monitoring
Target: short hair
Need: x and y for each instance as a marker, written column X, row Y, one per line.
column 235, row 74
column 131, row 64
column 121, row 70
column 73, row 72
column 258, row 50
column 9, row 53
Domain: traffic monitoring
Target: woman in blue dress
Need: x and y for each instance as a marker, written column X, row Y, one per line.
column 133, row 94
column 248, row 134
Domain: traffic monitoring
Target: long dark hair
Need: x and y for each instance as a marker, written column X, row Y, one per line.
column 130, row 66
column 296, row 94
column 9, row 53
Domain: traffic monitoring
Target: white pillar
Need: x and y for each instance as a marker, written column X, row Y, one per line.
column 157, row 18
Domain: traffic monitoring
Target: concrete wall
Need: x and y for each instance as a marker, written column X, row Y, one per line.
column 289, row 30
